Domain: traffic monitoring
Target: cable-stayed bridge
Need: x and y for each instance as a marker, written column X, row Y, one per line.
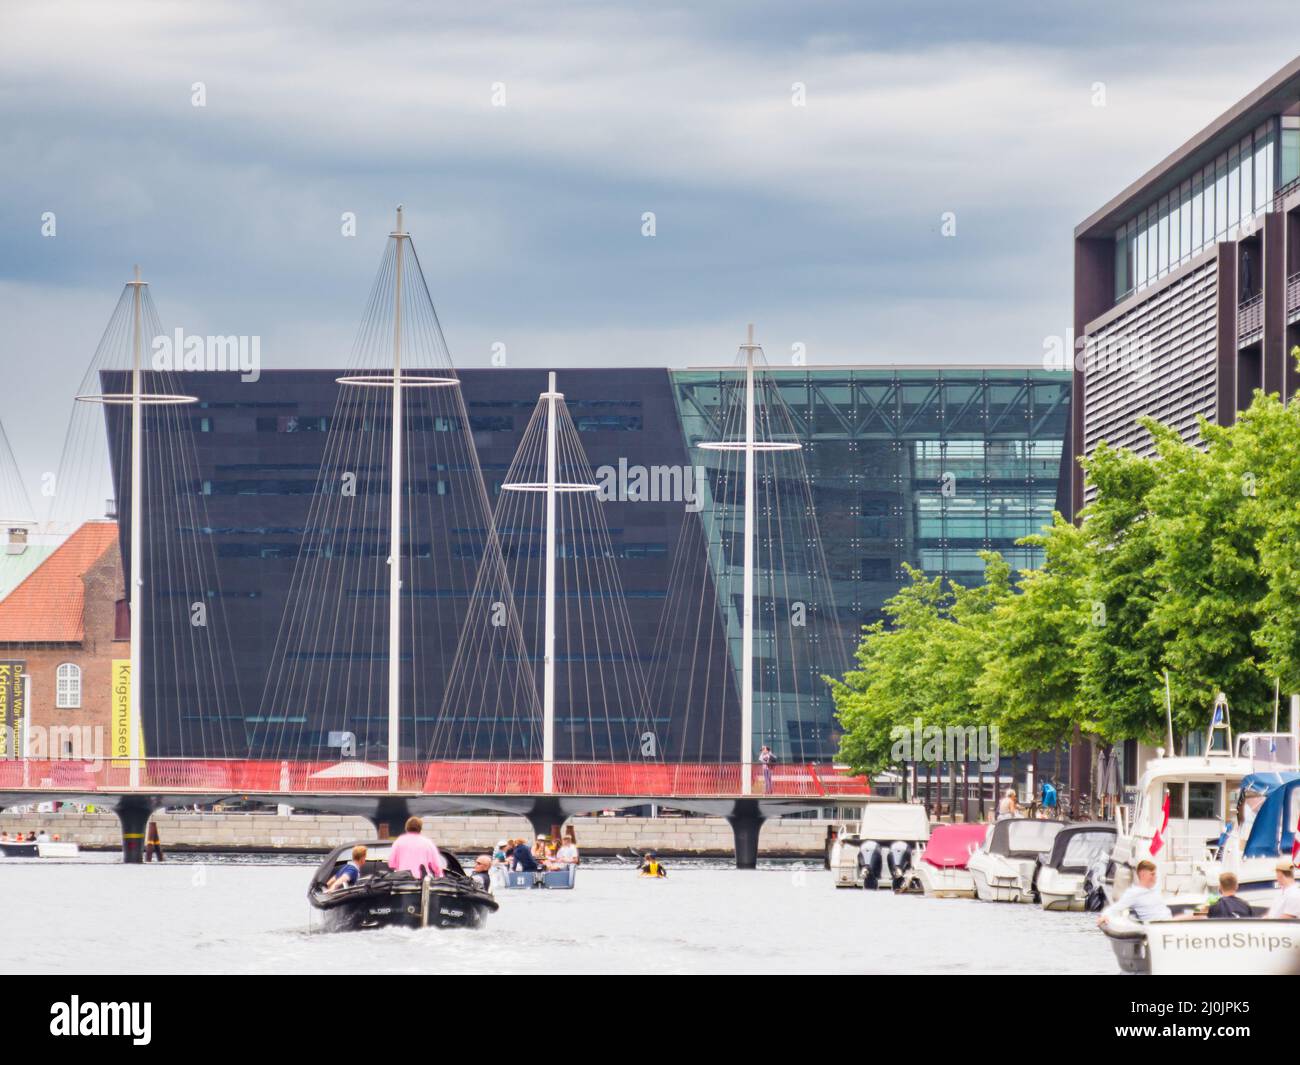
column 541, row 704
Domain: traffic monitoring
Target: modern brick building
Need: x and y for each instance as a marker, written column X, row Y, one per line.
column 1187, row 283
column 63, row 627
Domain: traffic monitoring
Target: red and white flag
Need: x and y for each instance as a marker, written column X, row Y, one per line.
column 1158, row 840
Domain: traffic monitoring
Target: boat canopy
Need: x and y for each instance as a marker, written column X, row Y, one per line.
column 1022, row 837
column 950, row 846
column 1263, row 783
column 1076, row 847
column 1272, row 832
column 887, row 821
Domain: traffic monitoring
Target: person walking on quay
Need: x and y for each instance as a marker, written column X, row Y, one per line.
column 414, row 853
column 1008, row 807
column 152, row 843
column 767, row 758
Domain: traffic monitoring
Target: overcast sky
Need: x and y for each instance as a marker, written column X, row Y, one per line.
column 822, row 223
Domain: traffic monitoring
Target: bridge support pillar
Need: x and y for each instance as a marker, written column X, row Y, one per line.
column 746, row 822
column 134, row 813
column 545, row 814
column 390, row 817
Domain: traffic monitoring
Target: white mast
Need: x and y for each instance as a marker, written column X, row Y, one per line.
column 548, row 638
column 137, row 539
column 747, row 616
column 395, row 527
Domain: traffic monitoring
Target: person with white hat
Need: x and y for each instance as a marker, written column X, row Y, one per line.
column 1288, row 902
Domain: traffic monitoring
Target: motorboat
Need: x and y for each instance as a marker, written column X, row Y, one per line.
column 555, row 879
column 1002, row 867
column 1261, row 832
column 382, row 897
column 18, row 848
column 1204, row 946
column 941, row 871
column 1069, row 875
column 58, row 848
column 890, row 835
column 1199, row 791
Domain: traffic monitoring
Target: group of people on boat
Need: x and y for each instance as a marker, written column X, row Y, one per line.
column 1144, row 901
column 31, row 837
column 412, row 852
column 545, row 855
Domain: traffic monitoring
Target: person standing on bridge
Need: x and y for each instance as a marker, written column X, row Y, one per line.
column 412, row 852
column 767, row 758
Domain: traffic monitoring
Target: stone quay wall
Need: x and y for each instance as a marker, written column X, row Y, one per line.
column 232, row 831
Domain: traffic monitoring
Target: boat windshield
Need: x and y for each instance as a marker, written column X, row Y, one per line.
column 1084, row 848
column 1030, row 838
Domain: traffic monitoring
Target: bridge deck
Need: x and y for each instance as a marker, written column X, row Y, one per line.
column 660, row 781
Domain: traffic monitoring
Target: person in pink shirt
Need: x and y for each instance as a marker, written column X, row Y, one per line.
column 412, row 852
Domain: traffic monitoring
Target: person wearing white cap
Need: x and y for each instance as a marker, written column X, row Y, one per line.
column 1288, row 902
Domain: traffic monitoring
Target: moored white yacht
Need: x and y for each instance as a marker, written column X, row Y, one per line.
column 1002, row 868
column 941, row 871
column 890, row 833
column 1200, row 791
column 1060, row 879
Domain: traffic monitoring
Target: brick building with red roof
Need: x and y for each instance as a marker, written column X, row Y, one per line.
column 65, row 623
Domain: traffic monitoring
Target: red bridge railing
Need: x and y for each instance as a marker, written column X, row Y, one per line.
column 613, row 779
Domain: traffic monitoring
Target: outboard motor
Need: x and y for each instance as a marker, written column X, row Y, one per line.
column 900, row 862
column 1094, row 886
column 870, row 862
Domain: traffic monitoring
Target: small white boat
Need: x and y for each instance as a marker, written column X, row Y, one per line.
column 58, row 849
column 1205, row 946
column 1003, row 867
column 889, row 832
column 556, row 879
column 1060, row 878
column 941, row 872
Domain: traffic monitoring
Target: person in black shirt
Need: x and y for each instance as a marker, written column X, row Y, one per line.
column 482, row 874
column 1229, row 904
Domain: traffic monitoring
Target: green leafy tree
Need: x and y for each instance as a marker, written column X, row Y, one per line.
column 893, row 683
column 1206, row 529
column 1120, row 649
column 1029, row 682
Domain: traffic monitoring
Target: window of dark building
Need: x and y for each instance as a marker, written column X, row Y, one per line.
column 877, row 569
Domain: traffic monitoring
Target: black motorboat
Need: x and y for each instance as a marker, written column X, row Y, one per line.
column 383, row 898
column 18, row 848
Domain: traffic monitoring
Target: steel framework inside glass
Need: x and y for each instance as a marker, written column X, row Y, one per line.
column 926, row 466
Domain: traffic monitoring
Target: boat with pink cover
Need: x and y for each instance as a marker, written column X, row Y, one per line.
column 941, row 871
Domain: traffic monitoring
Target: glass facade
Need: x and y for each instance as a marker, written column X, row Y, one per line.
column 928, row 467
column 925, row 466
column 1207, row 207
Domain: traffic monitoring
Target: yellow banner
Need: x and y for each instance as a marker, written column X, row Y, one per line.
column 121, row 712
column 12, row 708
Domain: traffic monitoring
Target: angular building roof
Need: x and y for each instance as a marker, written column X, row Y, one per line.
column 1276, row 95
column 48, row 606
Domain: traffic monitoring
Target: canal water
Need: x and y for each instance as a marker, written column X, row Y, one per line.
column 236, row 915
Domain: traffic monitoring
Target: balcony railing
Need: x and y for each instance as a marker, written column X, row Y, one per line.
column 1250, row 320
